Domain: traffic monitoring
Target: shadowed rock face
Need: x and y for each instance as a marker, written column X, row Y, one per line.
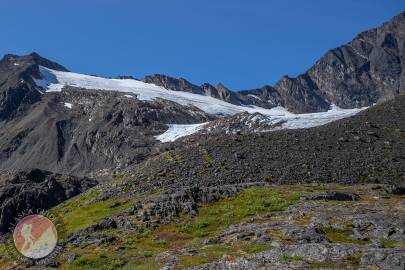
column 367, row 70
column 17, row 88
column 35, row 190
column 173, row 84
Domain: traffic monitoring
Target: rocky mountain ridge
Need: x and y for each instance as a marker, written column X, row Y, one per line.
column 17, row 87
column 360, row 73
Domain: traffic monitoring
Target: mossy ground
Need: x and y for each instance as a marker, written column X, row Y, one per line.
column 144, row 249
column 342, row 236
column 140, row 250
column 84, row 210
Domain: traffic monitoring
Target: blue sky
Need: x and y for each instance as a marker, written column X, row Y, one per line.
column 243, row 44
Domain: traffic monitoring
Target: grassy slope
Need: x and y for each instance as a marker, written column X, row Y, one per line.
column 139, row 250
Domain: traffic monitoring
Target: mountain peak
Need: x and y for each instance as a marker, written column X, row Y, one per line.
column 34, row 58
column 39, row 60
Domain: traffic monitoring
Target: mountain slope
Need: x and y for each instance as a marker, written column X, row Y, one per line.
column 367, row 147
column 80, row 131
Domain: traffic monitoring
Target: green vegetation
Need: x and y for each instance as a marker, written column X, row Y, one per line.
column 214, row 217
column 253, row 248
column 84, row 216
column 342, row 236
column 84, row 210
column 387, row 243
column 97, row 261
column 304, row 220
column 314, row 188
column 177, row 159
column 12, row 134
column 287, row 258
column 353, row 260
column 141, row 250
column 205, row 156
column 118, row 178
column 349, row 262
column 207, row 254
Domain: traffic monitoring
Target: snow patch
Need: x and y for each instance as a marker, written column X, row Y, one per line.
column 54, row 81
column 68, row 105
column 254, row 96
column 177, row 131
column 309, row 120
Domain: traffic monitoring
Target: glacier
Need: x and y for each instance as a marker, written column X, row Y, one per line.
column 54, row 81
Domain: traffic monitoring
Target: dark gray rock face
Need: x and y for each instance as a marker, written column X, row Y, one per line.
column 367, row 70
column 300, row 95
column 219, row 91
column 35, row 190
column 238, row 124
column 173, row 84
column 396, row 189
column 266, row 97
column 334, row 196
column 17, row 88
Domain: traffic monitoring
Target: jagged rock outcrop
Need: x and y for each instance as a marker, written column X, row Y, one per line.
column 173, row 83
column 35, row 190
column 367, row 70
column 17, row 88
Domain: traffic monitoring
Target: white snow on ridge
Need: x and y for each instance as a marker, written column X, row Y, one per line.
column 54, row 81
column 307, row 120
column 254, row 96
column 287, row 121
column 68, row 105
column 177, row 131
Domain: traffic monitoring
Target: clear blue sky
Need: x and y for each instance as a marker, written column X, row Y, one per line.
column 241, row 43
